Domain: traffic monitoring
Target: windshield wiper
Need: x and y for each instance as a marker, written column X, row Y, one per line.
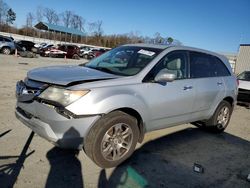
column 103, row 69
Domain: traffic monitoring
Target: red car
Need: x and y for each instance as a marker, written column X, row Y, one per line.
column 73, row 51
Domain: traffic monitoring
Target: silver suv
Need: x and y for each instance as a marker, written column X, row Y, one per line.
column 107, row 105
column 7, row 45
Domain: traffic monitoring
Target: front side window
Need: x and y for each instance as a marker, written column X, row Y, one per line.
column 173, row 63
column 125, row 60
column 244, row 76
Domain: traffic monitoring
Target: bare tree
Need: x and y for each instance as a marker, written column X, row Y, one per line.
column 81, row 23
column 30, row 19
column 51, row 16
column 39, row 13
column 77, row 22
column 3, row 11
column 158, row 38
column 67, row 17
column 56, row 19
column 96, row 28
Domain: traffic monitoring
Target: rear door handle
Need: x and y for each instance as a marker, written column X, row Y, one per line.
column 187, row 87
column 219, row 83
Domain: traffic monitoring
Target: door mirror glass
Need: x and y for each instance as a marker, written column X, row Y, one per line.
column 164, row 76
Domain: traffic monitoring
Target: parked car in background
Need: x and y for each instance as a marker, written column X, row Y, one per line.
column 72, row 51
column 107, row 105
column 7, row 45
column 40, row 45
column 244, row 87
column 95, row 53
column 56, row 53
column 27, row 45
column 44, row 51
column 84, row 51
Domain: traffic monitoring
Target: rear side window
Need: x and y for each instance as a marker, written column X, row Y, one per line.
column 70, row 47
column 7, row 40
column 205, row 65
column 220, row 68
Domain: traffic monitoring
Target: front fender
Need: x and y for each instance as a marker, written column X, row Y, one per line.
column 92, row 105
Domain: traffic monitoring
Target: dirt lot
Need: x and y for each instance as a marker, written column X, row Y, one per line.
column 165, row 159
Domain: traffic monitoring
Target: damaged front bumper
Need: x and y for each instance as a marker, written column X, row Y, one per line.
column 54, row 124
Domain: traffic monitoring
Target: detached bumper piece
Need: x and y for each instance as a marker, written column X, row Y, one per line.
column 35, row 124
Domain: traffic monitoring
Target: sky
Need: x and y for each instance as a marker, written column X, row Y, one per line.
column 217, row 25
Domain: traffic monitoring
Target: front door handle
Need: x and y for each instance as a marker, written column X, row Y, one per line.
column 219, row 83
column 187, row 87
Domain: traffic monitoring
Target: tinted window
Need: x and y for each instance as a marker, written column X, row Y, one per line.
column 7, row 40
column 220, row 68
column 204, row 65
column 174, row 63
column 1, row 38
column 244, row 76
column 70, row 47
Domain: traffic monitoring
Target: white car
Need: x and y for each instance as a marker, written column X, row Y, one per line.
column 244, row 87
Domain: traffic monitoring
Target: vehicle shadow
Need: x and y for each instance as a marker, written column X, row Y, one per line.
column 168, row 162
column 4, row 133
column 9, row 172
column 65, row 167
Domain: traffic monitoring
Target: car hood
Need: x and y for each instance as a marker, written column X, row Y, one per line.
column 244, row 84
column 68, row 75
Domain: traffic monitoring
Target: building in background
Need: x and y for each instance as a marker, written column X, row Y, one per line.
column 232, row 58
column 243, row 58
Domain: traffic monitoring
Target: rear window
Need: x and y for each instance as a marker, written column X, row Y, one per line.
column 244, row 76
column 204, row 65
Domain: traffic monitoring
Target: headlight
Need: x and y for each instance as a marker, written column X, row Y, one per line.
column 62, row 96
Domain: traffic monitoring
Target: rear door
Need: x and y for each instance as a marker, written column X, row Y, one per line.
column 209, row 86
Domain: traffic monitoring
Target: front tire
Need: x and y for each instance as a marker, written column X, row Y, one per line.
column 112, row 139
column 6, row 50
column 221, row 117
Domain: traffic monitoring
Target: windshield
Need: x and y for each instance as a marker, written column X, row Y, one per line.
column 244, row 76
column 125, row 60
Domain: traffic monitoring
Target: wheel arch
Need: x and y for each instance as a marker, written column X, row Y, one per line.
column 140, row 123
column 230, row 100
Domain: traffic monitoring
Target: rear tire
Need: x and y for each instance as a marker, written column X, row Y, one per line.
column 112, row 139
column 6, row 50
column 75, row 56
column 221, row 117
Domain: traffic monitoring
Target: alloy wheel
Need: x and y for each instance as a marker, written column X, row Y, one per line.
column 116, row 142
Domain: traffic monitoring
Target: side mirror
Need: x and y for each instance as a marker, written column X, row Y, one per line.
column 163, row 76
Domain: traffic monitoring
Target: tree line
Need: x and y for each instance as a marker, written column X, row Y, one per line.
column 94, row 30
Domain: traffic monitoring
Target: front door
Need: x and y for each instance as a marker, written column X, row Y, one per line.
column 170, row 103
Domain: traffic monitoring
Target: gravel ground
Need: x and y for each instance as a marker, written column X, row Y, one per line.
column 164, row 159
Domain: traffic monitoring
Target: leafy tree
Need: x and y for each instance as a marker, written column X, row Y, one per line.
column 11, row 16
column 170, row 40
